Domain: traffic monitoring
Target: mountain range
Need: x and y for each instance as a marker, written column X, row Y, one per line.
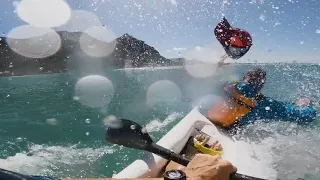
column 128, row 52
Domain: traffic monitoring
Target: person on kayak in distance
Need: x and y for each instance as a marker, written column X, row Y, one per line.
column 244, row 103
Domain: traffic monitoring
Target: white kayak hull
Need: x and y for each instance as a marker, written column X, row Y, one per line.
column 238, row 153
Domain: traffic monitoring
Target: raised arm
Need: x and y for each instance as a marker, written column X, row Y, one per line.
column 271, row 109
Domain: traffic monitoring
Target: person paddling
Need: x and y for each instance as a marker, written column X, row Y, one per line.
column 201, row 167
column 244, row 103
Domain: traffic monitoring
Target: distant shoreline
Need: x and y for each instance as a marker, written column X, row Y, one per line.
column 117, row 69
column 3, row 75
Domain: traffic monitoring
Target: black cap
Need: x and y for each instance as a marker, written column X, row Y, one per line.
column 175, row 175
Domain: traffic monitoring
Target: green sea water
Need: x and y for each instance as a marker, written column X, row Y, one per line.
column 46, row 130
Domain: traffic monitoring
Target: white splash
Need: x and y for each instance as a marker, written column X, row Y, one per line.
column 294, row 149
column 158, row 125
column 55, row 160
column 52, row 121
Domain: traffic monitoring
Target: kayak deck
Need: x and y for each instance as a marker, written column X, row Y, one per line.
column 188, row 151
column 239, row 153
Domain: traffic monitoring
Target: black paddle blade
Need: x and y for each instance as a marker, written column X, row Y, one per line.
column 6, row 174
column 128, row 134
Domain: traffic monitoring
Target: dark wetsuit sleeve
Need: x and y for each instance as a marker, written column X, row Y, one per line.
column 246, row 89
column 271, row 109
column 300, row 114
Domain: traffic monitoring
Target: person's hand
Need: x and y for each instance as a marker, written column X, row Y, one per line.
column 303, row 102
column 216, row 146
column 203, row 139
column 207, row 167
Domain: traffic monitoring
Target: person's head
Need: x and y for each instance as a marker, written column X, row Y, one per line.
column 256, row 77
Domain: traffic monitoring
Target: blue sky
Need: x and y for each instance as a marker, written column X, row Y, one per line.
column 283, row 30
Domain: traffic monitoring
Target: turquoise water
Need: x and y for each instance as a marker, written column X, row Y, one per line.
column 45, row 129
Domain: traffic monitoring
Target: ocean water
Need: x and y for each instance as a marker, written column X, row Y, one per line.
column 47, row 129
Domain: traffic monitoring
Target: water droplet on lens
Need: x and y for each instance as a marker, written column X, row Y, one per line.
column 87, row 121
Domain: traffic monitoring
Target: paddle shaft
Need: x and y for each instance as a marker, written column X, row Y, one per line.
column 170, row 155
column 167, row 154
